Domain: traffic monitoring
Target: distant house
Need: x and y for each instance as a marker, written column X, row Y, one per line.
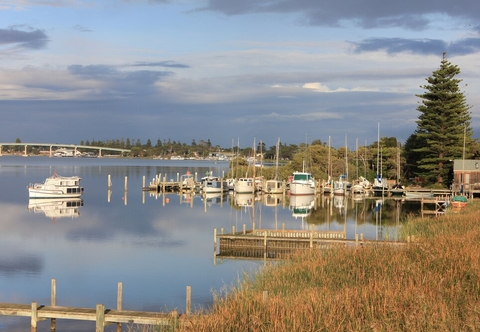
column 466, row 176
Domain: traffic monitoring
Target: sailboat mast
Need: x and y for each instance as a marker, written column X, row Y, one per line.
column 378, row 151
column 276, row 160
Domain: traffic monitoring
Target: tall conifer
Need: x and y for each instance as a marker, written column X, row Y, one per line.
column 443, row 125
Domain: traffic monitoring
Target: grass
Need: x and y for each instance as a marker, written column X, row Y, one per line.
column 430, row 285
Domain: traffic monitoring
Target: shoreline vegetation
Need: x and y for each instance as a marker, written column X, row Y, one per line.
column 431, row 284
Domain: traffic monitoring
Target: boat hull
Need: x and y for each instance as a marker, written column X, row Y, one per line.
column 302, row 189
column 45, row 193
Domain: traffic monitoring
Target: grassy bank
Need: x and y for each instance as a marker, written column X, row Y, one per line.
column 430, row 285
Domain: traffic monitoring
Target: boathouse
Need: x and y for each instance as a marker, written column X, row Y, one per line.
column 466, row 176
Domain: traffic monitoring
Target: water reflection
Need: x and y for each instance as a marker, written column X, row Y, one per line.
column 302, row 206
column 155, row 244
column 56, row 208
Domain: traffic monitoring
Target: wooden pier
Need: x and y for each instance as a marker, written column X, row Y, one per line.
column 99, row 314
column 434, row 206
column 277, row 244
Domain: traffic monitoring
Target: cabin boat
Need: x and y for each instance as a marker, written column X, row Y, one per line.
column 56, row 186
column 244, row 185
column 302, row 184
column 274, row 186
column 213, row 184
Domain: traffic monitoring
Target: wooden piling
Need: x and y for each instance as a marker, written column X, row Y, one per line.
column 53, row 321
column 119, row 302
column 34, row 317
column 100, row 321
column 188, row 301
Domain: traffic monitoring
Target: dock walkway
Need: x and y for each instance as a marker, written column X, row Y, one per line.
column 99, row 314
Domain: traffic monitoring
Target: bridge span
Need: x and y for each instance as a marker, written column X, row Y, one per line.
column 73, row 147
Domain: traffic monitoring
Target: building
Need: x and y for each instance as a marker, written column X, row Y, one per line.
column 466, row 176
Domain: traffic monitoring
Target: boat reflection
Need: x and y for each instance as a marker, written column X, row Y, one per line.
column 56, row 208
column 301, row 206
column 273, row 199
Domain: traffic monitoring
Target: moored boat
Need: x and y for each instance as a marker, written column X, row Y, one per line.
column 458, row 201
column 244, row 185
column 302, row 184
column 213, row 184
column 56, row 186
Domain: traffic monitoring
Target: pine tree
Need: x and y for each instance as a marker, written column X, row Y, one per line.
column 443, row 125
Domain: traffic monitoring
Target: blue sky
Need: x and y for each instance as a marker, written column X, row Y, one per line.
column 226, row 70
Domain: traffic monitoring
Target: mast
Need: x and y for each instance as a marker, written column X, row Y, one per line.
column 276, row 160
column 378, row 152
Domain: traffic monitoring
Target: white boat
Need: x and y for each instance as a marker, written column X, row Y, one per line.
column 56, row 208
column 418, row 194
column 340, row 186
column 380, row 185
column 56, row 187
column 361, row 185
column 187, row 182
column 302, row 184
column 274, row 187
column 244, row 185
column 213, row 184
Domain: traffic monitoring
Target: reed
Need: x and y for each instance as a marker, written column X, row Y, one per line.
column 432, row 284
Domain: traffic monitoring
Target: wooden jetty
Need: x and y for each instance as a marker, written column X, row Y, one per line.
column 99, row 314
column 275, row 244
column 434, row 206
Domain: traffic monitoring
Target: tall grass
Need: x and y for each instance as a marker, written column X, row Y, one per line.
column 432, row 284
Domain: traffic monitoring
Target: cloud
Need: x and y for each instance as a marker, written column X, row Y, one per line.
column 105, row 72
column 418, row 46
column 409, row 14
column 81, row 28
column 319, row 87
column 168, row 64
column 34, row 39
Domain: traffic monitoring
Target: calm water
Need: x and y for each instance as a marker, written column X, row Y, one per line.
column 154, row 245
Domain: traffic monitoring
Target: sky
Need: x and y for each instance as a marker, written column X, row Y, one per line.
column 229, row 71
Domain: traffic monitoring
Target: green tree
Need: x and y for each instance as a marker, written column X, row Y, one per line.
column 442, row 127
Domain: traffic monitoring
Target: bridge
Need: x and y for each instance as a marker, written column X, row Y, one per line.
column 73, row 147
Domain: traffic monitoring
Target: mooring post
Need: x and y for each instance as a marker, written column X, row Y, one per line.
column 100, row 321
column 126, row 183
column 34, row 318
column 119, row 302
column 244, row 229
column 188, row 300
column 53, row 321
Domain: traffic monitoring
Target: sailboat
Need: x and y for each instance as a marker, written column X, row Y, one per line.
column 398, row 189
column 380, row 185
column 302, row 183
column 328, row 186
column 275, row 186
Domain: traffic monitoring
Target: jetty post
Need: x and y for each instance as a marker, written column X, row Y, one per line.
column 53, row 321
column 188, row 304
column 119, row 302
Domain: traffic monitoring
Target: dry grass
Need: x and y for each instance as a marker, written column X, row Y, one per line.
column 431, row 285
